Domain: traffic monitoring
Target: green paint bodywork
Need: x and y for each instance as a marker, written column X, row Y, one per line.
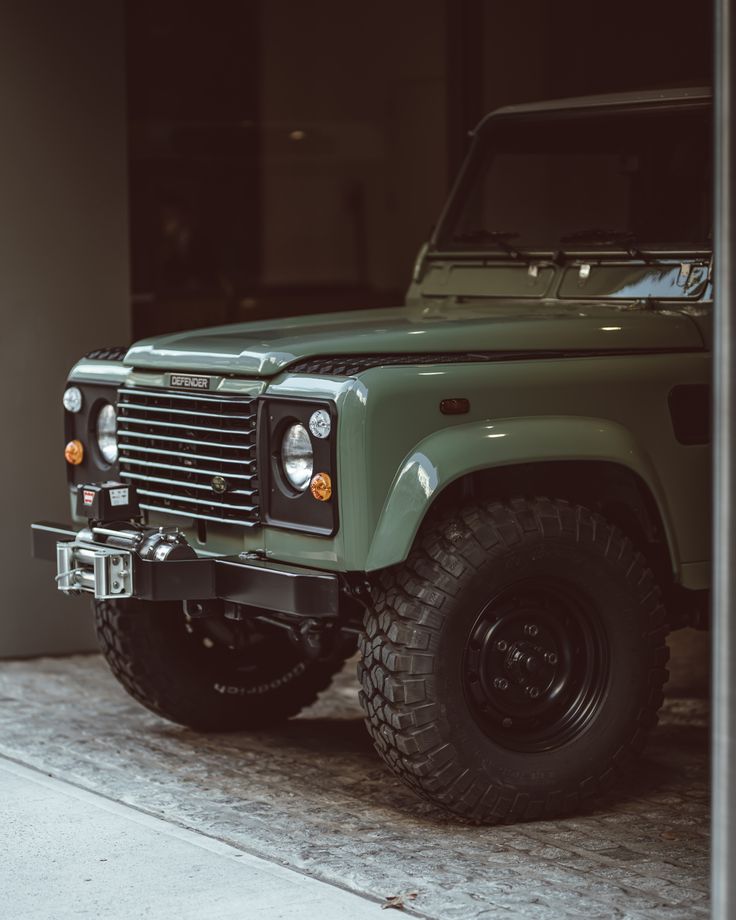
column 430, row 323
column 445, row 456
column 585, row 359
column 397, row 452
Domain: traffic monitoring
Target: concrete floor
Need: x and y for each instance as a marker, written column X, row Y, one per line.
column 313, row 796
column 72, row 853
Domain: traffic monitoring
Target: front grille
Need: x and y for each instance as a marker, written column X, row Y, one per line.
column 174, row 445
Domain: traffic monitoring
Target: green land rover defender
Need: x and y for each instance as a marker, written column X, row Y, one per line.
column 499, row 491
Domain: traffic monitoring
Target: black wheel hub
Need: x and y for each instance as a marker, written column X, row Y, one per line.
column 535, row 666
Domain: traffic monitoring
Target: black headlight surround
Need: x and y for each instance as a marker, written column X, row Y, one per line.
column 281, row 504
column 81, row 426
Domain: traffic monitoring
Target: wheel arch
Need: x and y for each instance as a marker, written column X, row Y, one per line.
column 595, row 462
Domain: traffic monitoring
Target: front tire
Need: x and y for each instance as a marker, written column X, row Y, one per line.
column 514, row 665
column 207, row 676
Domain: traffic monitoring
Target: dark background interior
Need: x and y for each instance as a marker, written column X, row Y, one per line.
column 289, row 158
column 169, row 165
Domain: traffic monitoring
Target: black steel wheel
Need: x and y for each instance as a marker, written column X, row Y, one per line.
column 536, row 665
column 514, row 665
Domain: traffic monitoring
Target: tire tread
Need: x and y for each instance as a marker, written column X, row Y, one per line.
column 400, row 636
column 125, row 643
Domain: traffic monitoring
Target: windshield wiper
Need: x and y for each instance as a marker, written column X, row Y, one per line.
column 602, row 236
column 499, row 238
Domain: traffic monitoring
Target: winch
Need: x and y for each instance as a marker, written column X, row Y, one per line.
column 117, row 556
column 100, row 559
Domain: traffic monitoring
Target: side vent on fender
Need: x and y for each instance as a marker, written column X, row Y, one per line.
column 690, row 412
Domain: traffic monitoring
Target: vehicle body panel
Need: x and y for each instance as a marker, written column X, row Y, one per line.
column 561, row 357
column 607, row 402
column 265, row 349
column 523, row 412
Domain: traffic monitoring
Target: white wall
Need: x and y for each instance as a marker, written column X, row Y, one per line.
column 63, row 276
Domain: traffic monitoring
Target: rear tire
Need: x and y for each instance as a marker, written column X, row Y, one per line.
column 514, row 665
column 186, row 672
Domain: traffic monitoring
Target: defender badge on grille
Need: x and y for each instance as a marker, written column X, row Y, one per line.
column 190, row 381
column 219, row 484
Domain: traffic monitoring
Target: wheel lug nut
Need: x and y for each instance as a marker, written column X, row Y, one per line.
column 550, row 658
column 500, row 683
column 531, row 630
column 502, row 645
column 533, row 692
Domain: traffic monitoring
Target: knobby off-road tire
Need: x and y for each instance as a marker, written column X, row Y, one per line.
column 181, row 672
column 513, row 666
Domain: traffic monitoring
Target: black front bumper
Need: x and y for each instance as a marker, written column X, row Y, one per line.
column 259, row 583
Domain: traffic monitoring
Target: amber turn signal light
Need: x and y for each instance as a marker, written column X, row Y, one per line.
column 321, row 487
column 74, row 452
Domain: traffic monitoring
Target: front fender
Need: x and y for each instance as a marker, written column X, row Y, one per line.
column 446, row 455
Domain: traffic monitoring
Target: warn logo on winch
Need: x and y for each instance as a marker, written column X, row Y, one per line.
column 88, row 496
column 189, row 381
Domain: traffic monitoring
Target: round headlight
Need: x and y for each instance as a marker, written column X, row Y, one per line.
column 107, row 433
column 320, row 423
column 297, row 457
column 72, row 399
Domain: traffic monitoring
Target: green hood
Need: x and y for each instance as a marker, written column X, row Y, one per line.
column 263, row 349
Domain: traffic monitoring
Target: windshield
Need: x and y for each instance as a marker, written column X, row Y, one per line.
column 573, row 182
